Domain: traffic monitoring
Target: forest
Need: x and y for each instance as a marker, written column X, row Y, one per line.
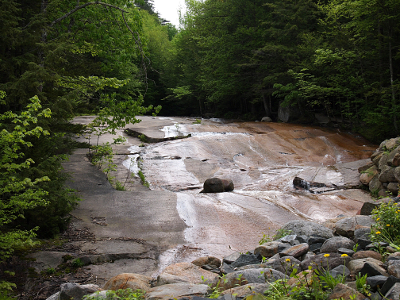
column 234, row 59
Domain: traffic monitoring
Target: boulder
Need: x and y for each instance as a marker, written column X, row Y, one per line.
column 307, row 228
column 295, row 251
column 128, row 280
column 207, row 260
column 217, row 185
column 270, row 249
column 375, row 184
column 387, row 174
column 342, row 291
column 243, row 277
column 367, row 175
column 368, row 207
column 347, row 226
column 76, row 291
column 396, row 160
column 266, row 119
column 383, row 161
column 357, row 264
column 368, row 253
column 393, row 187
column 185, row 272
column 176, row 291
column 397, row 174
column 333, row 244
column 247, row 289
column 394, row 292
column 322, row 261
column 246, row 259
column 231, row 258
column 394, row 268
column 376, row 282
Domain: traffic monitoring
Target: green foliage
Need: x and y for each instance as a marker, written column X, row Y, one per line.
column 123, row 294
column 387, row 223
column 77, row 263
column 361, row 284
column 142, row 138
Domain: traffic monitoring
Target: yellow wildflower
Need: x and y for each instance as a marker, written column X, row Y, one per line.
column 344, row 255
column 388, row 225
column 288, row 259
column 378, row 219
column 378, row 232
column 327, row 255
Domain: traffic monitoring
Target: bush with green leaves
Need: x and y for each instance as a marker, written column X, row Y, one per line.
column 33, row 199
column 387, row 224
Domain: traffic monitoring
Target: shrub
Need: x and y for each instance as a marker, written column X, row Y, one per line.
column 387, row 224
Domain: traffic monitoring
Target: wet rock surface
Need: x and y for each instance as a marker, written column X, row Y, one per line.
column 144, row 230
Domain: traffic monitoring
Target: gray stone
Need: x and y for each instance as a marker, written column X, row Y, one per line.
column 397, row 173
column 247, row 290
column 389, row 283
column 389, row 145
column 76, row 291
column 266, row 119
column 394, row 268
column 341, row 270
column 245, row 259
column 333, row 244
column 207, row 260
column 242, row 277
column 376, row 157
column 375, row 184
column 342, row 291
column 347, row 226
column 187, row 272
column 177, row 290
column 387, row 174
column 320, row 261
column 394, row 292
column 376, row 282
column 308, row 228
column 368, row 207
column 396, row 160
column 231, row 258
column 383, row 161
column 372, row 270
column 393, row 187
column 269, row 249
column 295, row 251
column 217, row 185
column 290, row 239
column 349, row 252
column 357, row 264
column 393, row 256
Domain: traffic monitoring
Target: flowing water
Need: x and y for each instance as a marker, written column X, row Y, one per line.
column 262, row 159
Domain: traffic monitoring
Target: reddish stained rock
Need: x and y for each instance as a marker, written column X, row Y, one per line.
column 365, row 254
column 342, row 291
column 185, row 272
column 128, row 280
column 207, row 260
column 296, row 251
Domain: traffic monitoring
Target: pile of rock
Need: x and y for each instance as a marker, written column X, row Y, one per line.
column 307, row 245
column 382, row 175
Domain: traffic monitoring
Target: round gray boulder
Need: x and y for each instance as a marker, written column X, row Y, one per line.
column 307, row 228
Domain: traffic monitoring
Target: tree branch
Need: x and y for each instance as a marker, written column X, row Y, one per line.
column 83, row 6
